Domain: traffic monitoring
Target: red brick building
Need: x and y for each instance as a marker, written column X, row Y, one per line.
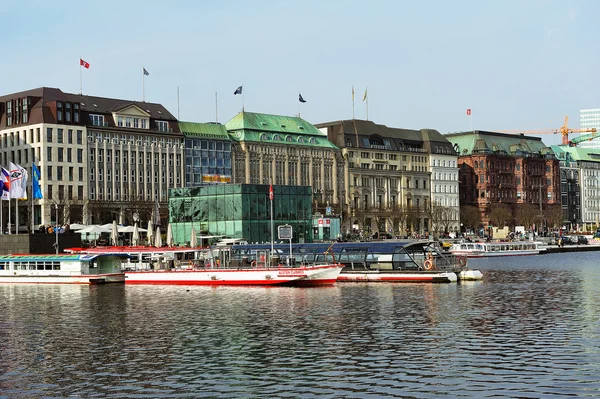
column 499, row 168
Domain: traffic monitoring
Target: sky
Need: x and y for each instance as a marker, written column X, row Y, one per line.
column 518, row 65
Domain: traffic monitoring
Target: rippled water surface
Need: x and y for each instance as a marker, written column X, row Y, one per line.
column 530, row 329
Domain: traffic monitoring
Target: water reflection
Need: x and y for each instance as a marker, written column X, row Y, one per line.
column 530, row 329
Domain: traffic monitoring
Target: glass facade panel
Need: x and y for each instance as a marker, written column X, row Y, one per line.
column 240, row 211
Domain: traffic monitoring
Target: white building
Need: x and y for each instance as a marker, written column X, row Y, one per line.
column 588, row 119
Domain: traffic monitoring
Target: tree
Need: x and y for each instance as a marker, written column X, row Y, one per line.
column 527, row 215
column 470, row 216
column 500, row 215
column 554, row 216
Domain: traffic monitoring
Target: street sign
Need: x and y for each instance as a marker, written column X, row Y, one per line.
column 284, row 232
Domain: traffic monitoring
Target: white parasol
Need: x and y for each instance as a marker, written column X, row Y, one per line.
column 158, row 238
column 114, row 233
column 135, row 238
column 169, row 235
column 193, row 238
column 150, row 233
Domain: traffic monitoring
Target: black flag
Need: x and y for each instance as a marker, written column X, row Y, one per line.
column 300, row 98
column 238, row 90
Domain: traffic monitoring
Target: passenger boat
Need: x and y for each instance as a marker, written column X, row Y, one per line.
column 387, row 261
column 215, row 266
column 61, row 269
column 484, row 249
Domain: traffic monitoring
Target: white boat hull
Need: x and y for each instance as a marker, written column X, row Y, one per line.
column 301, row 276
column 481, row 254
column 470, row 275
column 65, row 279
column 400, row 276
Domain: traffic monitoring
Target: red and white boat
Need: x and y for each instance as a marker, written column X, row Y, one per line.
column 189, row 266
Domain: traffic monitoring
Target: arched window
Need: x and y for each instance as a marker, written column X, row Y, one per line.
column 476, row 165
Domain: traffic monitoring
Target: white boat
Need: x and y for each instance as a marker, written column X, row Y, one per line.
column 484, row 249
column 61, row 269
column 190, row 266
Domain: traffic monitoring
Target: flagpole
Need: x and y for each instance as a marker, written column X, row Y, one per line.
column 17, row 215
column 243, row 91
column 216, row 108
column 272, row 227
column 298, row 105
column 143, row 88
column 80, row 78
column 32, row 211
column 367, row 102
column 353, row 102
column 9, row 221
column 178, row 103
column 2, row 211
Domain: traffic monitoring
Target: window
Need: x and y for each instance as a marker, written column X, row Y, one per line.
column 70, row 176
column 162, row 126
column 97, row 120
column 80, row 173
column 24, row 110
column 59, row 111
column 69, row 155
column 70, row 136
column 49, row 154
column 49, row 174
column 9, row 113
column 59, row 173
column 76, row 112
column 79, row 155
column 79, row 136
column 67, row 112
column 49, row 135
column 60, row 154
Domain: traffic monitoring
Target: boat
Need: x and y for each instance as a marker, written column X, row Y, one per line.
column 215, row 266
column 385, row 261
column 485, row 249
column 61, row 269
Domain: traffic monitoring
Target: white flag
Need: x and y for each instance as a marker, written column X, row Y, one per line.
column 18, row 181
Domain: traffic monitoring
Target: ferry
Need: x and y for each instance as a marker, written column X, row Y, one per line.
column 485, row 249
column 215, row 266
column 61, row 269
column 387, row 261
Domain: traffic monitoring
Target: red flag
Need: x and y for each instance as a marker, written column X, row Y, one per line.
column 469, row 111
column 84, row 64
column 271, row 195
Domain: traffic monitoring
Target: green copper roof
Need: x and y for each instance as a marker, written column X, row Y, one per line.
column 576, row 153
column 276, row 129
column 204, row 130
column 478, row 141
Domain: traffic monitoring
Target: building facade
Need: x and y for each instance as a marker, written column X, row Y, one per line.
column 207, row 153
column 387, row 175
column 100, row 158
column 580, row 185
column 588, row 119
column 499, row 168
column 285, row 151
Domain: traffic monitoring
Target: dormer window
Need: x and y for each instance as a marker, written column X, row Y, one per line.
column 59, row 111
column 97, row 120
column 120, row 120
column 144, row 123
column 24, row 110
column 76, row 112
column 67, row 112
column 9, row 113
column 163, row 126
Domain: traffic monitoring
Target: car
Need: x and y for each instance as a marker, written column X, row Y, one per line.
column 568, row 240
column 582, row 240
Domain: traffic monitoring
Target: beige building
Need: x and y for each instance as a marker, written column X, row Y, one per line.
column 286, row 150
column 100, row 158
column 387, row 171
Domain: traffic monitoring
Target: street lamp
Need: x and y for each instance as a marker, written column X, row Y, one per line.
column 56, row 228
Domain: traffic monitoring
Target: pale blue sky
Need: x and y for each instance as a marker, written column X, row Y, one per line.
column 517, row 64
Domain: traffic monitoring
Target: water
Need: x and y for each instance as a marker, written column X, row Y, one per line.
column 530, row 329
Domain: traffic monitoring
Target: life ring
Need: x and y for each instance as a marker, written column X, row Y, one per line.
column 428, row 264
column 462, row 261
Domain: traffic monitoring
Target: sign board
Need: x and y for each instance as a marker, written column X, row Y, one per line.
column 284, row 232
column 328, row 210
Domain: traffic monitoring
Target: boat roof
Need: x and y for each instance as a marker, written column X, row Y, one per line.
column 55, row 257
column 129, row 250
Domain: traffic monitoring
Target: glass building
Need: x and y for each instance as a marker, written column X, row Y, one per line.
column 240, row 211
column 207, row 153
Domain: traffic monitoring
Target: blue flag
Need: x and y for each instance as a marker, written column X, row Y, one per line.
column 238, row 90
column 145, row 72
column 302, row 100
column 37, row 190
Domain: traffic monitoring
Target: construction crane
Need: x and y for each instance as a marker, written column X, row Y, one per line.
column 581, row 139
column 564, row 130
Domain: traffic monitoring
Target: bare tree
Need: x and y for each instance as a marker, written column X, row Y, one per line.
column 527, row 215
column 500, row 215
column 554, row 216
column 470, row 217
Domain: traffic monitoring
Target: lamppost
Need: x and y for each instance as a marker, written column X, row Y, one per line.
column 56, row 228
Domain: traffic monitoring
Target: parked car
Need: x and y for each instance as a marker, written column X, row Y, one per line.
column 568, row 240
column 582, row 240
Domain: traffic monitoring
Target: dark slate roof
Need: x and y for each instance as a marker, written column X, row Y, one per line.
column 104, row 105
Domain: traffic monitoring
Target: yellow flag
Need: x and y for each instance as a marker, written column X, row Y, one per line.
column 352, row 92
column 365, row 96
